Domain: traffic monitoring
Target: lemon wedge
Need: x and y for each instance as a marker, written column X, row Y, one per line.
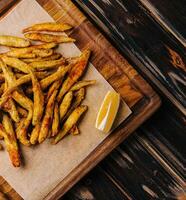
column 108, row 111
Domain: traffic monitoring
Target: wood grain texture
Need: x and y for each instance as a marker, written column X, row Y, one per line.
column 148, row 176
column 6, row 6
column 9, row 192
column 117, row 71
column 171, row 15
column 97, row 185
column 168, row 141
column 155, row 51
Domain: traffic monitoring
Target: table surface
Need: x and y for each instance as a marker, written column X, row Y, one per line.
column 151, row 163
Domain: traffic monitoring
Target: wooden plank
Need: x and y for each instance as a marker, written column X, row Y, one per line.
column 167, row 140
column 117, row 71
column 144, row 176
column 171, row 16
column 96, row 185
column 156, row 54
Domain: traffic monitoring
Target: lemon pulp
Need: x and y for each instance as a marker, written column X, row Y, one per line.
column 108, row 111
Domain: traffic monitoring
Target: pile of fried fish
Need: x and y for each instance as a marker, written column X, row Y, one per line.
column 40, row 90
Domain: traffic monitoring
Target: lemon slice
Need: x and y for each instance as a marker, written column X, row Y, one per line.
column 108, row 111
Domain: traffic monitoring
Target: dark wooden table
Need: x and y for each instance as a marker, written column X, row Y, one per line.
column 151, row 163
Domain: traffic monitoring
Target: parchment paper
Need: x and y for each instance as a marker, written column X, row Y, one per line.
column 46, row 165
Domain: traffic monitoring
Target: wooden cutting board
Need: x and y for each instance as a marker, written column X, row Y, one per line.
column 140, row 97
